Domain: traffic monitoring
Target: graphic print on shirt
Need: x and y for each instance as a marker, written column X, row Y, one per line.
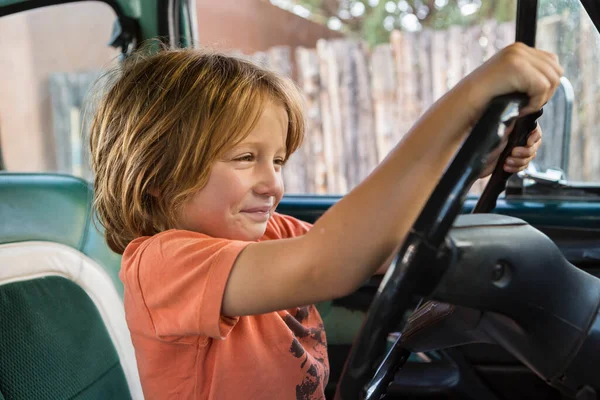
column 313, row 338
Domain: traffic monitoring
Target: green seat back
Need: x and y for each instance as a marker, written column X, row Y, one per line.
column 63, row 333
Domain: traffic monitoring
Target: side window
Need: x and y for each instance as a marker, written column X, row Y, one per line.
column 366, row 89
column 571, row 120
column 50, row 58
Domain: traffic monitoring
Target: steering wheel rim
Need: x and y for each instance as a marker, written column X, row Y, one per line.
column 424, row 246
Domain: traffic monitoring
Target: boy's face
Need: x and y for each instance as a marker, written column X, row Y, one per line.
column 244, row 186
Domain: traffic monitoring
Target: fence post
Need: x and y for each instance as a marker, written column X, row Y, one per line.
column 384, row 98
column 439, row 65
column 425, row 76
column 455, row 59
column 409, row 107
column 362, row 111
column 330, row 103
column 278, row 59
column 313, row 147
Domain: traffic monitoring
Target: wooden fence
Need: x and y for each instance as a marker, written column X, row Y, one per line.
column 360, row 101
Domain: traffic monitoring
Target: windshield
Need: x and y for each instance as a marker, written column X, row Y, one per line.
column 571, row 119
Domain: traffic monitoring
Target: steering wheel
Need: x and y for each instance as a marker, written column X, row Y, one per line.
column 484, row 269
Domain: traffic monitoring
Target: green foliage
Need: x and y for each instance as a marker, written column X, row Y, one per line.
column 372, row 29
column 378, row 18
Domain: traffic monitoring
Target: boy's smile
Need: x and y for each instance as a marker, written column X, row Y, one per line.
column 258, row 214
column 244, row 186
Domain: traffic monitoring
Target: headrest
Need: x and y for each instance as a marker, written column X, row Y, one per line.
column 45, row 207
column 54, row 208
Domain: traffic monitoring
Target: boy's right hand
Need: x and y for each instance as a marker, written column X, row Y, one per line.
column 516, row 68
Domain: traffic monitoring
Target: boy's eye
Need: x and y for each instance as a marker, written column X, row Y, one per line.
column 245, row 158
column 279, row 161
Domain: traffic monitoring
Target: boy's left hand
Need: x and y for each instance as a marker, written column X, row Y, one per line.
column 520, row 157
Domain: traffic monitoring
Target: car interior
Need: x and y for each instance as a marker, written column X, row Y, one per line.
column 496, row 296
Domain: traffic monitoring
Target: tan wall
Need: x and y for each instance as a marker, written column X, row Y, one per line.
column 32, row 46
column 37, row 43
column 254, row 25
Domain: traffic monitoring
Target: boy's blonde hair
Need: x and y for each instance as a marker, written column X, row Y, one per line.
column 160, row 125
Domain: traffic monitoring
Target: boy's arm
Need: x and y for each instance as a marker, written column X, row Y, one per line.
column 355, row 236
column 386, row 264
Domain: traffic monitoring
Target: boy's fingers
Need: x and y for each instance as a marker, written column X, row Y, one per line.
column 548, row 70
column 519, row 165
column 553, row 61
column 517, row 162
column 525, row 152
column 543, row 81
column 539, row 95
column 534, row 137
column 547, row 64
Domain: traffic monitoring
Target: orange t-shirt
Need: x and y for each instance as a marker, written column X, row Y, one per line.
column 185, row 349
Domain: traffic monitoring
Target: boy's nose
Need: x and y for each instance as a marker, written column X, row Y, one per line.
column 269, row 181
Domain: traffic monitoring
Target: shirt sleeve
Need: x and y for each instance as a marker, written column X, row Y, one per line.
column 182, row 278
column 283, row 226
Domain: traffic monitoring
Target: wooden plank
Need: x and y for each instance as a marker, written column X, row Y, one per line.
column 279, row 60
column 363, row 107
column 384, row 84
column 313, row 148
column 505, row 35
column 261, row 58
column 474, row 53
column 330, row 103
column 348, row 110
column 425, row 77
column 488, row 38
column 455, row 59
column 354, row 148
column 439, row 64
column 404, row 47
